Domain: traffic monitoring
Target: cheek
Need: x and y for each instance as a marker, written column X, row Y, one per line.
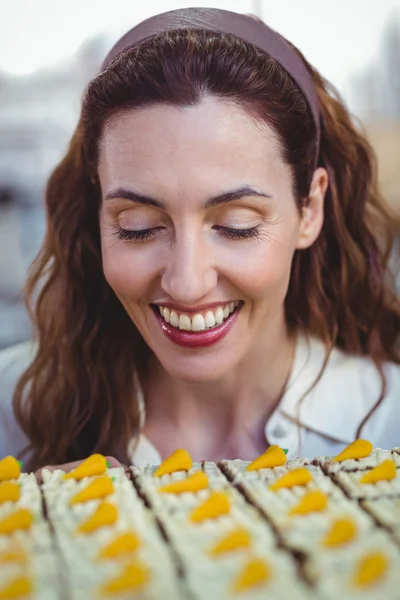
column 129, row 270
column 263, row 270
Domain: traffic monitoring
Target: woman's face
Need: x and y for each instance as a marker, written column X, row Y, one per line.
column 198, row 230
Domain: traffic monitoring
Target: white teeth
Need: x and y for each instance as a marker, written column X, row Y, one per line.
column 198, row 323
column 210, row 319
column 219, row 315
column 185, row 323
column 174, row 320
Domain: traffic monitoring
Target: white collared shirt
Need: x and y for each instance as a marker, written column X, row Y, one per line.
column 325, row 421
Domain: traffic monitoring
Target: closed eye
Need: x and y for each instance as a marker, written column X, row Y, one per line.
column 238, row 234
column 139, row 235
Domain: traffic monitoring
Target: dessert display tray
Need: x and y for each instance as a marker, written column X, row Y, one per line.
column 272, row 528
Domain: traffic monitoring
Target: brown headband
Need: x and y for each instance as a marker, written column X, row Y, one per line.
column 245, row 27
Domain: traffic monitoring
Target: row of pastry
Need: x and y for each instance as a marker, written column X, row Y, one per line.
column 108, row 540
column 29, row 566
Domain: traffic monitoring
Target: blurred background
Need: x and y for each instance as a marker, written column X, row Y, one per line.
column 50, row 50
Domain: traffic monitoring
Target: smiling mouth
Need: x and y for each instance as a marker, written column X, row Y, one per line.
column 198, row 322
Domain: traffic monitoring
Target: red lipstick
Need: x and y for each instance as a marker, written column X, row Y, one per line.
column 198, row 339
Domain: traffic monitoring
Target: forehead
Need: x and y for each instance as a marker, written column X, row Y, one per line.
column 166, row 149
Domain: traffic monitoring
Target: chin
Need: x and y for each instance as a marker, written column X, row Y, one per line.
column 203, row 371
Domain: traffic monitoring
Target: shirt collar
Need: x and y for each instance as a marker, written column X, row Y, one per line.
column 337, row 403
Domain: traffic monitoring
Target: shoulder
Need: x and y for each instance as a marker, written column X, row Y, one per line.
column 360, row 378
column 359, row 374
column 339, row 397
column 13, row 362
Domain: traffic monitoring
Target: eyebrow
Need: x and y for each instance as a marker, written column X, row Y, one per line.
column 225, row 197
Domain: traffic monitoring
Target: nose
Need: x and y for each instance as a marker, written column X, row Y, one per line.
column 189, row 275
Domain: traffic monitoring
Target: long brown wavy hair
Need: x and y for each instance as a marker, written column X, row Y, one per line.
column 78, row 394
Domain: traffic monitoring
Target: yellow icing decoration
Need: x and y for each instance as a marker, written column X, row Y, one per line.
column 358, row 449
column 133, row 576
column 194, row 483
column 216, row 505
column 383, row 472
column 235, row 540
column 20, row 519
column 9, row 492
column 180, row 460
column 14, row 553
column 125, row 543
column 9, row 468
column 292, row 478
column 96, row 464
column 311, row 502
column 371, row 569
column 20, row 587
column 341, row 532
column 99, row 488
column 255, row 572
column 274, row 456
column 105, row 514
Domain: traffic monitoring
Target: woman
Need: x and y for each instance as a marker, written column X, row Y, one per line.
column 214, row 274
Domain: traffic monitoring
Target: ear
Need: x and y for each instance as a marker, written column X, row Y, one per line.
column 312, row 217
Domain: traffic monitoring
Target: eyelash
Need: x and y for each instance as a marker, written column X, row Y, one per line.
column 238, row 234
column 143, row 235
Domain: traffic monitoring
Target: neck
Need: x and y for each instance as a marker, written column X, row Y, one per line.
column 224, row 418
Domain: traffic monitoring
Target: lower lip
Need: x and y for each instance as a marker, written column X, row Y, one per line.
column 198, row 339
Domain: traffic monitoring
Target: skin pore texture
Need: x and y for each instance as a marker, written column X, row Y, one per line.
column 212, row 399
